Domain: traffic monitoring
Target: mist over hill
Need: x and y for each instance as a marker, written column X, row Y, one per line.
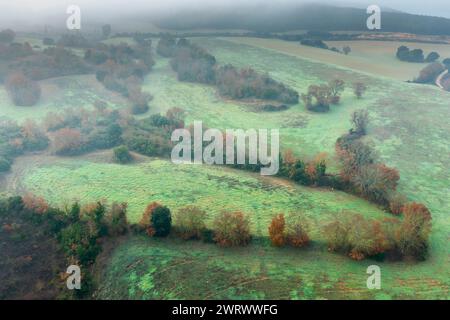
column 267, row 18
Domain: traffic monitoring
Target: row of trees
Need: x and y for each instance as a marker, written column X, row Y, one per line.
column 359, row 237
column 193, row 63
column 318, row 43
column 361, row 171
column 415, row 55
column 351, row 234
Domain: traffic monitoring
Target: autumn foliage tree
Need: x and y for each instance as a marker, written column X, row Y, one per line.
column 22, row 90
column 336, row 86
column 355, row 236
column 146, row 221
column 414, row 231
column 67, row 141
column 277, row 230
column 232, row 229
column 35, row 204
column 297, row 230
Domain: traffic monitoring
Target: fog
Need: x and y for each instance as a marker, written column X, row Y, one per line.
column 26, row 14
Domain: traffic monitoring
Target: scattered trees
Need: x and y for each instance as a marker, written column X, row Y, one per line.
column 320, row 97
column 22, row 90
column 247, row 83
column 194, row 64
column 232, row 229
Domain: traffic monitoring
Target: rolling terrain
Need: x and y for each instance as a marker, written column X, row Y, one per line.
column 409, row 128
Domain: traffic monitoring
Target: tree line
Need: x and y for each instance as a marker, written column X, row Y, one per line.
column 194, row 64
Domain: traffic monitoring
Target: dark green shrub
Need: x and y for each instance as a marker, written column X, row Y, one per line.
column 122, row 155
column 161, row 220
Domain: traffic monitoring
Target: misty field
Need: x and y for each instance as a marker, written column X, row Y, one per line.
column 409, row 128
column 61, row 93
column 373, row 57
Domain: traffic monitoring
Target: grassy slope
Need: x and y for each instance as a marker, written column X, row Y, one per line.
column 63, row 92
column 410, row 129
column 375, row 57
column 143, row 268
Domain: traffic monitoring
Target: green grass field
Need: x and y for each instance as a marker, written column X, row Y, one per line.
column 409, row 128
column 143, row 268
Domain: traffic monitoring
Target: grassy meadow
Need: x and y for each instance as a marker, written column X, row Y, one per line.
column 409, row 128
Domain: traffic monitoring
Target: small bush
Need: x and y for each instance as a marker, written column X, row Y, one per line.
column 190, row 222
column 396, row 203
column 232, row 229
column 122, row 155
column 161, row 221
column 296, row 230
column 276, row 230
